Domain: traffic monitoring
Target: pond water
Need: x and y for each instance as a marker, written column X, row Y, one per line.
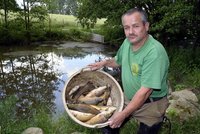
column 36, row 75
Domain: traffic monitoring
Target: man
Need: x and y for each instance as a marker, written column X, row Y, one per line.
column 144, row 63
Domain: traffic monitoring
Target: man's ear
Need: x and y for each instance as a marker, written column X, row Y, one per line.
column 147, row 26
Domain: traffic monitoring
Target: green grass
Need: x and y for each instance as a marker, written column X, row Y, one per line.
column 10, row 123
column 60, row 27
column 69, row 22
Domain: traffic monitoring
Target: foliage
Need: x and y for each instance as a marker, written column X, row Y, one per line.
column 10, row 5
column 184, row 70
column 175, row 21
column 8, row 116
column 55, row 35
column 41, row 118
column 39, row 12
column 78, row 35
column 112, row 34
column 51, row 5
column 193, row 78
column 90, row 11
column 67, row 7
column 170, row 20
column 12, row 36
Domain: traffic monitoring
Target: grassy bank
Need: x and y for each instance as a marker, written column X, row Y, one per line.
column 10, row 123
column 55, row 27
column 69, row 21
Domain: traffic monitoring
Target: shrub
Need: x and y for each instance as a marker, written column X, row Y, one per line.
column 55, row 35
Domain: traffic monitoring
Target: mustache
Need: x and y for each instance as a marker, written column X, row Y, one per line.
column 132, row 35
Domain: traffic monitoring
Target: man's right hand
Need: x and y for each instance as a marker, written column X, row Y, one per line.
column 97, row 65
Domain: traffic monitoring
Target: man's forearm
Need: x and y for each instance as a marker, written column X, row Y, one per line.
column 137, row 101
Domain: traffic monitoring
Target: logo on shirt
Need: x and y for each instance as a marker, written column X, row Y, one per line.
column 134, row 69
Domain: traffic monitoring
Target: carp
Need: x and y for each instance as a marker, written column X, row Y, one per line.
column 109, row 102
column 105, row 96
column 83, row 90
column 100, row 108
column 99, row 118
column 83, row 108
column 74, row 89
column 90, row 100
column 97, row 91
column 82, row 116
column 108, row 113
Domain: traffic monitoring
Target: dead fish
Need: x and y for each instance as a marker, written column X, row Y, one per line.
column 109, row 102
column 83, row 90
column 82, row 96
column 82, row 116
column 74, row 89
column 97, row 91
column 90, row 100
column 105, row 96
column 100, row 108
column 83, row 108
column 99, row 118
column 108, row 113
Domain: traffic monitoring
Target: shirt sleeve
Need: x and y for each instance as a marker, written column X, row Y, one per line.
column 118, row 56
column 153, row 70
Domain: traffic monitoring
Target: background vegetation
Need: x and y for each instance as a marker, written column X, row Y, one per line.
column 173, row 22
column 10, row 123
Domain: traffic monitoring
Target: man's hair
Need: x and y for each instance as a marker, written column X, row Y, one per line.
column 144, row 15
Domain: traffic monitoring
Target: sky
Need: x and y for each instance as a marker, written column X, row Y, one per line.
column 19, row 2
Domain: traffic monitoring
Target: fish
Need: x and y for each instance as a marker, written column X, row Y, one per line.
column 70, row 94
column 100, row 108
column 83, row 90
column 74, row 89
column 82, row 116
column 83, row 108
column 108, row 113
column 97, row 91
column 102, row 117
column 105, row 96
column 99, row 118
column 90, row 100
column 109, row 102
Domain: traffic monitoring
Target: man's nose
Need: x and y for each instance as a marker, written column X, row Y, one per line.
column 131, row 31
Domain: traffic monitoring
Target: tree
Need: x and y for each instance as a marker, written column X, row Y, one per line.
column 172, row 20
column 33, row 10
column 7, row 5
column 52, row 6
column 67, row 6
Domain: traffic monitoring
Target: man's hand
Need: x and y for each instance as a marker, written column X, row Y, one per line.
column 109, row 63
column 97, row 65
column 117, row 119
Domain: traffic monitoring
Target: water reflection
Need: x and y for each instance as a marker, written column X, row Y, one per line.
column 37, row 77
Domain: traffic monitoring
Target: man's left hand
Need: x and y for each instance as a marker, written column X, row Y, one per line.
column 116, row 120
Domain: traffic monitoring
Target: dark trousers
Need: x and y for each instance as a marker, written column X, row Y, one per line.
column 143, row 129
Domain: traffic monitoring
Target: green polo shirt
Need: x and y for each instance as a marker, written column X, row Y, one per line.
column 147, row 67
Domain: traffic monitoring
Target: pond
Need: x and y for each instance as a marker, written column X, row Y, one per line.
column 36, row 74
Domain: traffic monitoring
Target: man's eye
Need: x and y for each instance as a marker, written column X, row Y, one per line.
column 136, row 26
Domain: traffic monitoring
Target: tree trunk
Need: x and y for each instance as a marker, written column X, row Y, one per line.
column 27, row 21
column 5, row 13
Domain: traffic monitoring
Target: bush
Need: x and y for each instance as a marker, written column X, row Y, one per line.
column 184, row 70
column 78, row 35
column 55, row 35
column 193, row 78
column 113, row 34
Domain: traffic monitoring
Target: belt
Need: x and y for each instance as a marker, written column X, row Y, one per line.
column 149, row 100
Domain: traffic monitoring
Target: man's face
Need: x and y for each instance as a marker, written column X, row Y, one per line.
column 134, row 29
